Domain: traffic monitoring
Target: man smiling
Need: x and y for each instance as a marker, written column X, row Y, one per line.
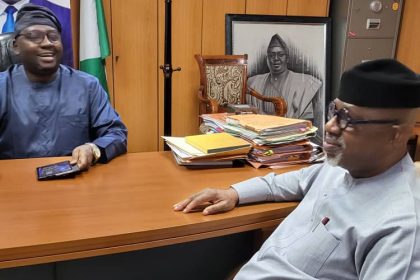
column 359, row 213
column 48, row 109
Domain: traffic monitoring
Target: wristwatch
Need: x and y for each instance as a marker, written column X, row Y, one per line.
column 95, row 151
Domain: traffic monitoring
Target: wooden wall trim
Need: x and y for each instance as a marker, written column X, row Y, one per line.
column 307, row 7
column 268, row 7
column 409, row 35
column 75, row 23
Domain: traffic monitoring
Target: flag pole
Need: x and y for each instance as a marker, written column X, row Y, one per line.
column 167, row 71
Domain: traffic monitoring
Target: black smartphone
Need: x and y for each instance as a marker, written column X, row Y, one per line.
column 57, row 170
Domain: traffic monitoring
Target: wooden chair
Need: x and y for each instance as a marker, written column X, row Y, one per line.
column 7, row 57
column 223, row 81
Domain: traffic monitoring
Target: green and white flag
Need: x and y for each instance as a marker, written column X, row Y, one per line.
column 94, row 46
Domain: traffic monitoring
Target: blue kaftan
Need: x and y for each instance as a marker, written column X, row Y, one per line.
column 51, row 119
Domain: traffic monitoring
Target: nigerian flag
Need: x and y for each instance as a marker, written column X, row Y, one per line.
column 94, row 46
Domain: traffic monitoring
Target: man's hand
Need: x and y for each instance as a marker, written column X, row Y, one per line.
column 83, row 156
column 220, row 200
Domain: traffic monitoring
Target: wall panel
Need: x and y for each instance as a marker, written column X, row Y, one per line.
column 159, row 73
column 214, row 23
column 186, row 41
column 134, row 34
column 266, row 7
column 75, row 22
column 408, row 51
column 137, row 31
column 308, row 7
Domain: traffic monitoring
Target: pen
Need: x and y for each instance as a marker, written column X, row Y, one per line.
column 324, row 221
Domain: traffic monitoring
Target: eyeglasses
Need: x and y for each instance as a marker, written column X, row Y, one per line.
column 344, row 119
column 38, row 36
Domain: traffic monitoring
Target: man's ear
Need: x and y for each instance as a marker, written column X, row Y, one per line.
column 401, row 133
column 15, row 47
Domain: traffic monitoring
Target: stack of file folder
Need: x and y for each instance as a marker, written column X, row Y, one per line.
column 276, row 141
column 209, row 150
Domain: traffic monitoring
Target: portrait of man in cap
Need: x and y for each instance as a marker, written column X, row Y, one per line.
column 286, row 59
column 298, row 89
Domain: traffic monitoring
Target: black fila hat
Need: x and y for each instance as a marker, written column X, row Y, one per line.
column 382, row 83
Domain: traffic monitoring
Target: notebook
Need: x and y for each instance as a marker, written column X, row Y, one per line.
column 216, row 142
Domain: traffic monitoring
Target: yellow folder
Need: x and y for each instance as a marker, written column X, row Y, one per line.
column 216, row 142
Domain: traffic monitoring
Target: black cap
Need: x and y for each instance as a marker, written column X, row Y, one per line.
column 382, row 83
column 31, row 14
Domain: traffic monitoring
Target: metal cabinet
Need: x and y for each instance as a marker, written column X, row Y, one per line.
column 362, row 30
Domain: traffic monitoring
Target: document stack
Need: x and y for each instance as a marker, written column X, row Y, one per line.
column 276, row 141
column 209, row 150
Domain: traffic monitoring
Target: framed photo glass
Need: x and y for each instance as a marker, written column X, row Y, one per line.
column 288, row 56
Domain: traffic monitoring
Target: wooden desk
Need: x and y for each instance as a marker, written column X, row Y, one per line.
column 122, row 206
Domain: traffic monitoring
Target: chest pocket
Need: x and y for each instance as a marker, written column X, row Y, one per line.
column 307, row 253
column 74, row 131
column 73, row 121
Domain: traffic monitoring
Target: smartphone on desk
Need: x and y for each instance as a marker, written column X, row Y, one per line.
column 57, row 170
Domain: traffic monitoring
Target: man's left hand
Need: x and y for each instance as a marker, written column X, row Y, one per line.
column 82, row 156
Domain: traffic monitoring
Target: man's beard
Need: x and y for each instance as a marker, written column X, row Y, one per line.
column 336, row 159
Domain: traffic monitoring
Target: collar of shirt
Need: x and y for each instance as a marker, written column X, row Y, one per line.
column 406, row 163
column 17, row 5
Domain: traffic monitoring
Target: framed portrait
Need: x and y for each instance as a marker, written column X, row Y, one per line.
column 288, row 56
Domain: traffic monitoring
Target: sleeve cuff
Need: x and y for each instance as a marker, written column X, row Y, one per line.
column 252, row 190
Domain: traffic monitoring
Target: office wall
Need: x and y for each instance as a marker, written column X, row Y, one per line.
column 409, row 38
column 408, row 51
column 134, row 31
column 198, row 27
column 137, row 31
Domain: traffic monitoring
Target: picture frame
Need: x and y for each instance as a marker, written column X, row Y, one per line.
column 304, row 43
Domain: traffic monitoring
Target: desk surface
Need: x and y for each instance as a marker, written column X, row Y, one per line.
column 117, row 207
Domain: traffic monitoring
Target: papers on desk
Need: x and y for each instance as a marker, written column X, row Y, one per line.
column 299, row 151
column 273, row 139
column 279, row 157
column 208, row 163
column 213, row 123
column 276, row 141
column 260, row 129
column 269, row 125
column 188, row 155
